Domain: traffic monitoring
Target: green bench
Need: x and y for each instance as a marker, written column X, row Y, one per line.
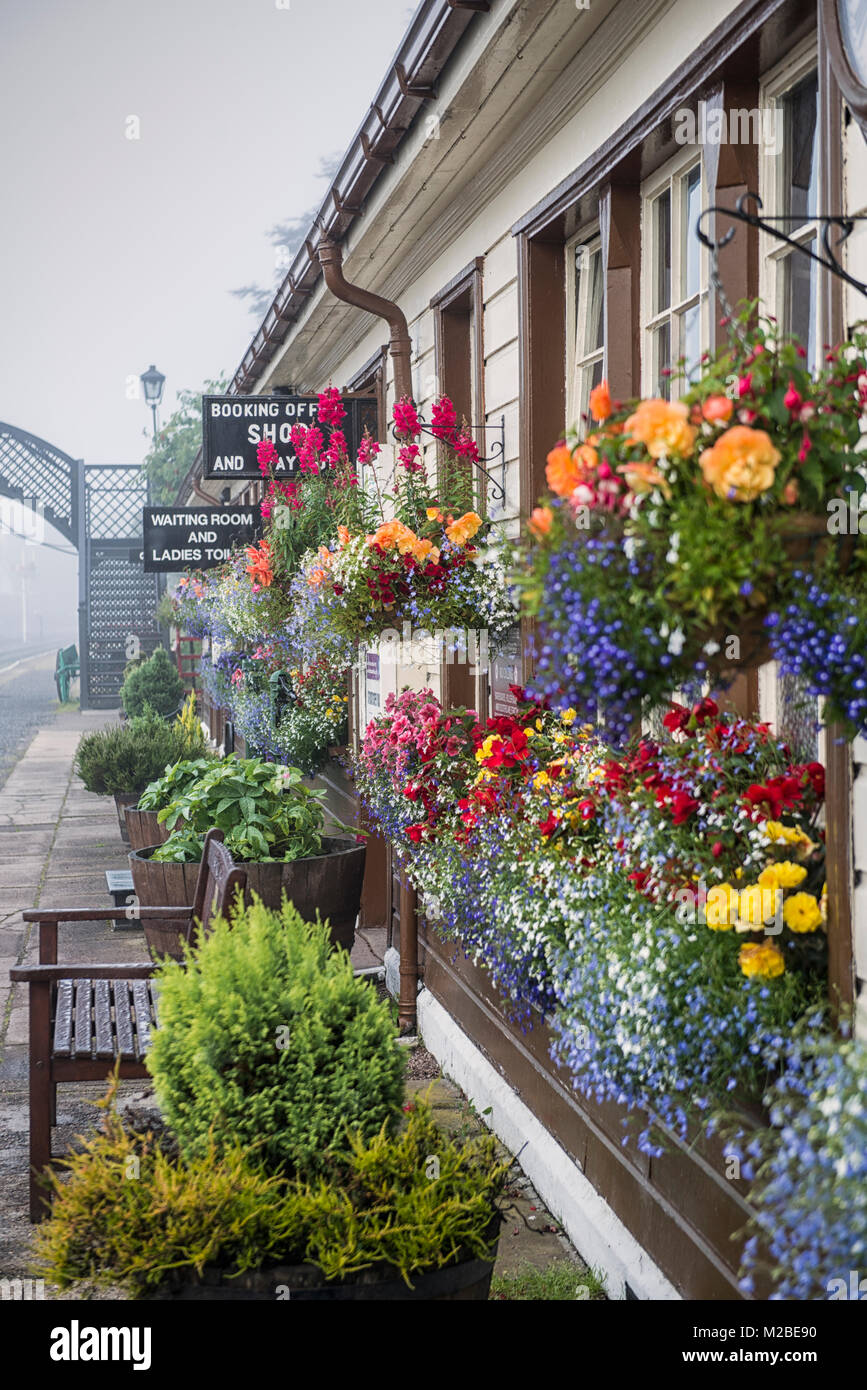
column 66, row 666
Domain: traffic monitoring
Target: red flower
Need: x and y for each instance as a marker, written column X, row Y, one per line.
column 548, row 826
column 677, row 718
column 716, row 849
column 587, row 809
column 415, row 832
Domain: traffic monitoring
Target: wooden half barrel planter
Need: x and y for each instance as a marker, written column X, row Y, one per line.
column 329, row 883
column 121, row 801
column 143, row 828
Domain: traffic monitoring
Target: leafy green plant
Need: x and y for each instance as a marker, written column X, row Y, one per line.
column 128, row 1212
column 267, row 1038
column 125, row 758
column 174, row 781
column 155, row 683
column 264, row 810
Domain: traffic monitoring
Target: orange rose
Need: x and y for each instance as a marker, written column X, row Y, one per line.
column 343, row 535
column 464, row 528
column 741, row 464
column 316, row 577
column 426, row 550
column 566, row 469
column 540, row 521
column 643, row 477
column 717, row 408
column 600, row 402
column 662, row 427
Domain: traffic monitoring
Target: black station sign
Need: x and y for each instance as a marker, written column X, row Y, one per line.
column 233, row 427
column 178, row 538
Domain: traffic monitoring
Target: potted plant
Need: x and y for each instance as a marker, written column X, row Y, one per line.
column 122, row 760
column 689, row 538
column 286, row 1168
column 153, row 684
column 275, row 826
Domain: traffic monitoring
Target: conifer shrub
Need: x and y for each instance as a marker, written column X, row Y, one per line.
column 268, row 1040
column 155, row 684
column 125, row 758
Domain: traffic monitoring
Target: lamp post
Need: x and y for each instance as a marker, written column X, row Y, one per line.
column 153, row 382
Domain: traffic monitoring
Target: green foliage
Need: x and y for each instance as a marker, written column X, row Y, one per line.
column 267, row 1039
column 264, row 810
column 562, row 1281
column 126, row 757
column 174, row 781
column 127, row 1212
column 170, row 459
column 154, row 683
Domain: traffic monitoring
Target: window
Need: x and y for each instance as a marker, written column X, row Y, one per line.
column 675, row 277
column 790, row 190
column 585, row 334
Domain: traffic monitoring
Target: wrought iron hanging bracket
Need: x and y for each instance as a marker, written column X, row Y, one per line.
column 496, row 458
column 765, row 223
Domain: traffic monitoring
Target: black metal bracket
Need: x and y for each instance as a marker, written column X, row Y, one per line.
column 497, row 456
column 828, row 224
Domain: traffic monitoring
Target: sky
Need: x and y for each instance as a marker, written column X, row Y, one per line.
column 116, row 252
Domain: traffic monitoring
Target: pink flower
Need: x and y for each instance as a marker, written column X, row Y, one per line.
column 330, row 410
column 745, row 384
column 266, row 454
column 443, row 419
column 805, row 448
column 408, row 457
column 405, row 419
column 466, row 447
column 367, row 450
column 793, row 400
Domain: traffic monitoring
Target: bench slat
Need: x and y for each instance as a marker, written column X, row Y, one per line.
column 142, row 1005
column 63, row 1018
column 154, row 996
column 123, row 1018
column 102, row 1019
column 83, row 1046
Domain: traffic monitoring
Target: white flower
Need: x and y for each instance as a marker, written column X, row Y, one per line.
column 676, row 641
column 711, row 647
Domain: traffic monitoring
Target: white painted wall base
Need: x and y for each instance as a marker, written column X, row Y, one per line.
column 596, row 1232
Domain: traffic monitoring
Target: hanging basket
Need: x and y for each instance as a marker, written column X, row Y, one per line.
column 807, row 543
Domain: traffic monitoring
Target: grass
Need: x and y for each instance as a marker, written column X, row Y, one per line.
column 560, row 1282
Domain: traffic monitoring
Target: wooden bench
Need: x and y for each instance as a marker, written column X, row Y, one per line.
column 83, row 1018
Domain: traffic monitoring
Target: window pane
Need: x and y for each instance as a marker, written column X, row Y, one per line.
column 662, row 252
column 595, row 322
column 691, row 339
column 691, row 245
column 802, row 150
column 800, row 281
column 853, row 27
column 662, row 359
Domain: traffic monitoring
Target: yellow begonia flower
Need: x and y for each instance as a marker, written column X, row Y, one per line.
column 529, row 732
column 721, row 909
column 433, row 514
column 569, row 716
column 801, row 912
column 756, row 906
column 761, row 958
column 784, row 875
column 541, row 780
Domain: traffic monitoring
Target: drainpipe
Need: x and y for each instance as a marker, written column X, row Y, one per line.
column 331, row 260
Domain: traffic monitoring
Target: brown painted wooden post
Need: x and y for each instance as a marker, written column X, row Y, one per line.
column 40, row 1092
column 408, row 956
